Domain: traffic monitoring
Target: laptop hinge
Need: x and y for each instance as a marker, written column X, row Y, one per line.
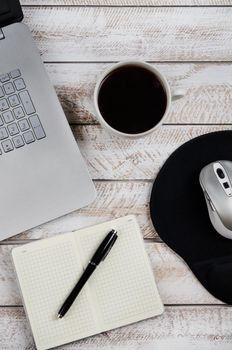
column 1, row 34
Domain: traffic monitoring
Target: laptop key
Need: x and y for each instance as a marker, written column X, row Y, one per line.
column 18, row 141
column 18, row 112
column 13, row 129
column 9, row 88
column 19, row 84
column 4, row 78
column 7, row 146
column 28, row 137
column 34, row 120
column 39, row 132
column 24, row 125
column 14, row 101
column 27, row 102
column 3, row 133
column 8, row 117
column 15, row 73
column 3, row 105
column 37, row 127
column 2, row 94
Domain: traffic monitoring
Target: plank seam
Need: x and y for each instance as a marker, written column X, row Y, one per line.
column 164, row 124
column 22, row 241
column 166, row 305
column 158, row 61
column 124, row 6
column 196, row 124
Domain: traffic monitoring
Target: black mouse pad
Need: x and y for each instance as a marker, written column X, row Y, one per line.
column 180, row 216
column 10, row 12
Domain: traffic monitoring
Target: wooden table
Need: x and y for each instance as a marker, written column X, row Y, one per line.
column 191, row 43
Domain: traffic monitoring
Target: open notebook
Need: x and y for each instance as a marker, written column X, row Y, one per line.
column 122, row 290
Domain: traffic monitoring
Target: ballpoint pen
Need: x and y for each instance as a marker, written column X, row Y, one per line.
column 100, row 254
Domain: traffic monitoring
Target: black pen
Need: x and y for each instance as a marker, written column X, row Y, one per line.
column 100, row 254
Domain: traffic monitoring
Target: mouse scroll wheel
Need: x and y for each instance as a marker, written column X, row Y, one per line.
column 220, row 173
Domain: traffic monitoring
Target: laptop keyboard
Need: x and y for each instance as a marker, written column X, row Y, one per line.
column 19, row 123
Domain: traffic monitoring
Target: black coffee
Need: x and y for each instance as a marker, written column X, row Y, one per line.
column 132, row 99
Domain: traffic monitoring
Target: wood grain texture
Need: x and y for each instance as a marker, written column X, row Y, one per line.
column 114, row 199
column 127, row 2
column 114, row 33
column 176, row 283
column 208, row 89
column 192, row 328
column 112, row 157
column 126, row 160
column 124, row 169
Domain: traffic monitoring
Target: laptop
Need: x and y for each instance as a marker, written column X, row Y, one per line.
column 43, row 175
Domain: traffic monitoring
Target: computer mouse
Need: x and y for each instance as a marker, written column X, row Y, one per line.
column 216, row 182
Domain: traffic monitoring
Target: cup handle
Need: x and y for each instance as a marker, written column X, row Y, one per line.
column 177, row 94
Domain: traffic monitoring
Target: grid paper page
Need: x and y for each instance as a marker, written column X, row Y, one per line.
column 123, row 286
column 47, row 271
column 122, row 290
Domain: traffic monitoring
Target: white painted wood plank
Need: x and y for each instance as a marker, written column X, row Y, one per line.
column 114, row 199
column 127, row 2
column 111, row 157
column 179, row 328
column 9, row 292
column 120, row 159
column 176, row 283
column 196, row 327
column 115, row 33
column 208, row 89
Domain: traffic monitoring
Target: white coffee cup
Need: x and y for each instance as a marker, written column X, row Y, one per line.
column 171, row 96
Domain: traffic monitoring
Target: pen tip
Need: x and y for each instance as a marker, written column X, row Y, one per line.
column 59, row 316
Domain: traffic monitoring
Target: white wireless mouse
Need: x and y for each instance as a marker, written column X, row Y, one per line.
column 216, row 182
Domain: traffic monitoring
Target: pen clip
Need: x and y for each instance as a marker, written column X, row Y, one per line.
column 110, row 246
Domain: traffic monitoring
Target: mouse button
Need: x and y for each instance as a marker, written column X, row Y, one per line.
column 208, row 179
column 229, row 174
column 211, row 205
column 214, row 190
column 209, row 201
column 227, row 165
column 205, row 172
